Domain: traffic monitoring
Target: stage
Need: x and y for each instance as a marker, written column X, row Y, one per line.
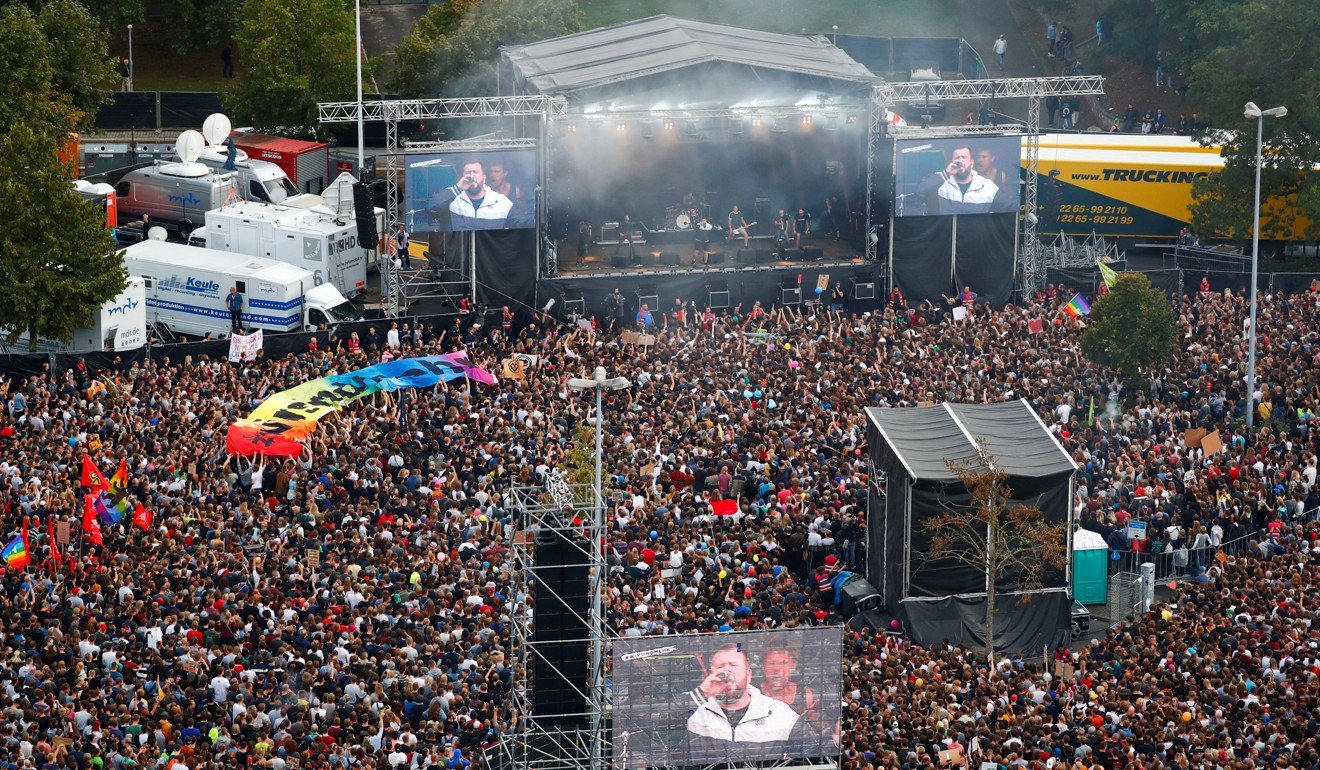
column 670, row 251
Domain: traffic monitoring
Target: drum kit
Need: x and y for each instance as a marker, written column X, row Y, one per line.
column 678, row 218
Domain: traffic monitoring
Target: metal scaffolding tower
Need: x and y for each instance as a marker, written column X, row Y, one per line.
column 887, row 95
column 404, row 286
column 556, row 508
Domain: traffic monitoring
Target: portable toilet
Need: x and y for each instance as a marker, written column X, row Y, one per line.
column 1090, row 567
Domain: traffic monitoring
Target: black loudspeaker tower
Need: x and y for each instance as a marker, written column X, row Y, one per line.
column 715, row 258
column 365, row 215
column 669, row 258
column 559, row 636
column 813, row 254
column 746, row 256
column 619, row 260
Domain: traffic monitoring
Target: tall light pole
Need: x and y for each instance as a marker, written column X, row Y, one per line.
column 132, row 74
column 357, row 55
column 596, row 673
column 1252, row 111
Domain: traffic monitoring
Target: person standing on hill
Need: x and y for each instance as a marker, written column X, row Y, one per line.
column 1001, row 47
column 227, row 61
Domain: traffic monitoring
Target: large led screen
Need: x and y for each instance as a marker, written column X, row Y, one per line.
column 726, row 698
column 458, row 192
column 963, row 175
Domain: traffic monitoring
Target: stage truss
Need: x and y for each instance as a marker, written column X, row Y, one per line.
column 886, row 95
column 399, row 288
column 551, row 508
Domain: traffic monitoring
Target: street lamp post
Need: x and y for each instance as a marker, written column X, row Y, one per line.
column 599, row 383
column 132, row 74
column 1252, row 111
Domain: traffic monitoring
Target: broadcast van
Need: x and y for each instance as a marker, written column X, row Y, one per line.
column 119, row 324
column 186, row 290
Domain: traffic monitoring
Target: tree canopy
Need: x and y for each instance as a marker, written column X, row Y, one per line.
column 296, row 53
column 81, row 66
column 57, row 260
column 27, row 94
column 453, row 48
column 1230, row 54
column 1132, row 327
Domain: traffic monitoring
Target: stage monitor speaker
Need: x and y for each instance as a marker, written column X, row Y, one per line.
column 718, row 299
column 620, row 260
column 715, row 258
column 765, row 255
column 813, row 254
column 793, row 255
column 790, row 296
column 669, row 258
column 747, row 256
column 863, row 289
column 559, row 633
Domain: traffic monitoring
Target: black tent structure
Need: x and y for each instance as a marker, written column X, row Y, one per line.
column 939, row 598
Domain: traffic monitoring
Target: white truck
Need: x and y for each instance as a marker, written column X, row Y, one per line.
column 313, row 239
column 258, row 180
column 119, row 324
column 186, row 290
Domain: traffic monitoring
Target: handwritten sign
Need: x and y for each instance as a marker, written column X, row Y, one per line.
column 1211, row 443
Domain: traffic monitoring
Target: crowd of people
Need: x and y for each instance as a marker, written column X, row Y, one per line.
column 352, row 607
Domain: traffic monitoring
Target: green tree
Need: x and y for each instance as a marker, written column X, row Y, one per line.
column 454, row 47
column 1132, row 327
column 27, row 94
column 296, row 53
column 1228, row 54
column 1010, row 543
column 81, row 65
column 206, row 25
column 57, row 260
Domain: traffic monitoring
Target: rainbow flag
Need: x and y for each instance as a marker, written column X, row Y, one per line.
column 16, row 554
column 284, row 419
column 112, row 504
column 1077, row 307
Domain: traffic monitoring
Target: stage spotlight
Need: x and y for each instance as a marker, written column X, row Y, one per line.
column 806, row 120
column 620, row 127
column 852, row 119
column 572, row 128
column 669, row 125
column 756, row 122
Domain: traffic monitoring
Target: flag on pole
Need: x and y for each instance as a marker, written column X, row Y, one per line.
column 91, row 475
column 142, row 517
column 1107, row 274
column 16, row 554
column 112, row 504
column 91, row 529
column 54, row 543
column 1090, row 414
column 1077, row 307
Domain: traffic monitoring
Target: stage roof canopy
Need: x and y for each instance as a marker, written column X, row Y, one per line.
column 923, row 438
column 659, row 44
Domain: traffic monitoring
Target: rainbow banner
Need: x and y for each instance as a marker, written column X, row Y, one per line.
column 16, row 554
column 1077, row 307
column 282, row 421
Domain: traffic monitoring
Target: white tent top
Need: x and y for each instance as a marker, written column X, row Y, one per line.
column 660, row 44
column 1086, row 540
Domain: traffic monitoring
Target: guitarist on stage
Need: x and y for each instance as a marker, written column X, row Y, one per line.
column 738, row 225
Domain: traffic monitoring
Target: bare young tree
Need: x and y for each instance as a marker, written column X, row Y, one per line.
column 991, row 534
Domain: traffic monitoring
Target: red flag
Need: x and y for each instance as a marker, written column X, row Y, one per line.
column 91, row 475
column 724, row 507
column 142, row 517
column 91, row 527
column 54, row 544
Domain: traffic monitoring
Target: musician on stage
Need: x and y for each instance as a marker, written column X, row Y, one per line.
column 783, row 224
column 702, row 235
column 738, row 226
column 801, row 227
column 626, row 236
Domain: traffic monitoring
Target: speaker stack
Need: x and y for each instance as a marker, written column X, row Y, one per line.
column 559, row 632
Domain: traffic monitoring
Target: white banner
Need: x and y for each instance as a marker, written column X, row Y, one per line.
column 245, row 347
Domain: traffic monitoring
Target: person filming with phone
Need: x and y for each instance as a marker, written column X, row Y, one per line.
column 473, row 204
column 958, row 189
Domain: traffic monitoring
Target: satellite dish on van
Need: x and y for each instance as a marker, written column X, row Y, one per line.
column 189, row 146
column 157, row 233
column 216, row 128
